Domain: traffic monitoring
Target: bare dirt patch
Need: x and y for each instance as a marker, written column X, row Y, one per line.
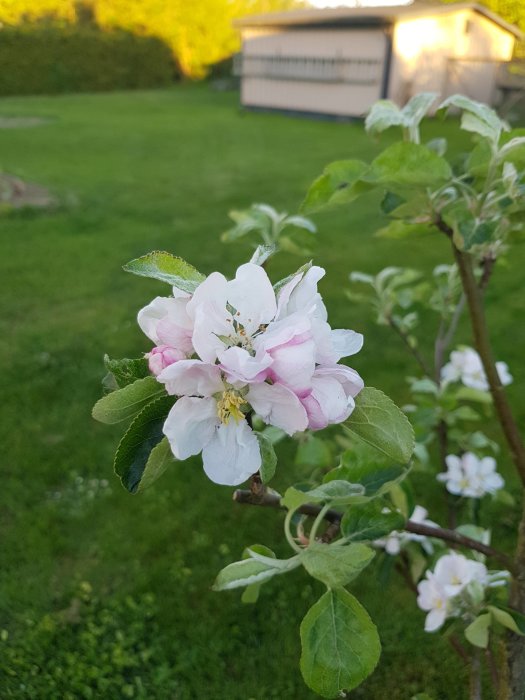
column 7, row 122
column 17, row 194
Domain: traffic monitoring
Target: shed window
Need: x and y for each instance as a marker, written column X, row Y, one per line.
column 357, row 71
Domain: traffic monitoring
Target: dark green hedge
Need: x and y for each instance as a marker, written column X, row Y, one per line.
column 48, row 59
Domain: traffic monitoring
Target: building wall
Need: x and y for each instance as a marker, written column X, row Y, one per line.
column 348, row 87
column 456, row 52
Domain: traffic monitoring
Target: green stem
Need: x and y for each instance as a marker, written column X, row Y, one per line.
column 288, row 533
column 317, row 522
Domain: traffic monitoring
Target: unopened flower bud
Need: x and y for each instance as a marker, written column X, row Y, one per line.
column 162, row 356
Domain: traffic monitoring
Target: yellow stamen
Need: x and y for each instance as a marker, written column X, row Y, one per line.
column 229, row 406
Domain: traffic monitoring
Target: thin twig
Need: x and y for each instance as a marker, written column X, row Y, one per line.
column 454, row 538
column 414, row 351
column 484, row 348
column 402, row 570
column 475, row 676
column 459, row 649
column 491, row 663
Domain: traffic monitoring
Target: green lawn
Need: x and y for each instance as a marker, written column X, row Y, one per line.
column 105, row 595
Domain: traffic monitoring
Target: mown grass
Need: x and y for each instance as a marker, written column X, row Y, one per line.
column 160, row 170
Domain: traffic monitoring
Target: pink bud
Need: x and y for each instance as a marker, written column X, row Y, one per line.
column 162, row 356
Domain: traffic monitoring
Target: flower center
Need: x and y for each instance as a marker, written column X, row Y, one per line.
column 229, row 405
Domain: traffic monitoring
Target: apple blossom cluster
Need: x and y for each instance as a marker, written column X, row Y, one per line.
column 455, row 588
column 465, row 366
column 233, row 348
column 471, row 476
column 394, row 542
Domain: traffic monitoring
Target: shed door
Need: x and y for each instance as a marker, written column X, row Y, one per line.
column 329, row 71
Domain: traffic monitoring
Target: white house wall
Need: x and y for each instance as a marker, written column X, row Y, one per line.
column 456, row 52
column 345, row 98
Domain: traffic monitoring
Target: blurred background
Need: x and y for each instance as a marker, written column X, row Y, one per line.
column 121, row 132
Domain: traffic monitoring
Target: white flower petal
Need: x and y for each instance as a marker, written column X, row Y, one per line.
column 346, row 376
column 505, row 376
column 302, row 295
column 279, row 406
column 212, row 290
column 240, row 366
column 190, row 425
column 191, row 378
column 166, row 322
column 393, row 544
column 283, row 331
column 251, row 294
column 419, row 515
column 211, row 322
column 232, row 455
column 345, row 343
column 435, row 619
column 293, row 364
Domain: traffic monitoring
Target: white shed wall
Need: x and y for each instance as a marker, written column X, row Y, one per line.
column 450, row 53
column 358, row 88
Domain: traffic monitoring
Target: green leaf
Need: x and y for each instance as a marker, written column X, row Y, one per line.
column 465, row 393
column 438, row 145
column 293, row 498
column 127, row 371
column 167, row 268
column 251, row 593
column 399, row 229
column 476, row 117
column 380, row 423
column 335, row 565
column 468, row 231
column 159, row 460
column 334, row 186
column 301, row 271
column 143, row 455
column 374, row 477
column 511, row 619
column 478, row 160
column 385, row 114
column 250, row 571
column 263, row 253
column 382, row 115
column 268, row 457
column 406, row 164
column 288, row 245
column 417, row 107
column 337, row 492
column 368, row 522
column 125, row 403
column 477, row 633
column 301, row 222
column 340, row 644
column 313, row 452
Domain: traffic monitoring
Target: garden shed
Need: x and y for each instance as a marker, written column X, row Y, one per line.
column 339, row 61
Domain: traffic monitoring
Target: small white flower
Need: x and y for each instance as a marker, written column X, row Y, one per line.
column 471, row 477
column 395, row 540
column 433, row 599
column 456, row 587
column 465, row 365
column 454, row 572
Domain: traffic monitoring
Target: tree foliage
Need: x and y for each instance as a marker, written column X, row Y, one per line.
column 199, row 34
